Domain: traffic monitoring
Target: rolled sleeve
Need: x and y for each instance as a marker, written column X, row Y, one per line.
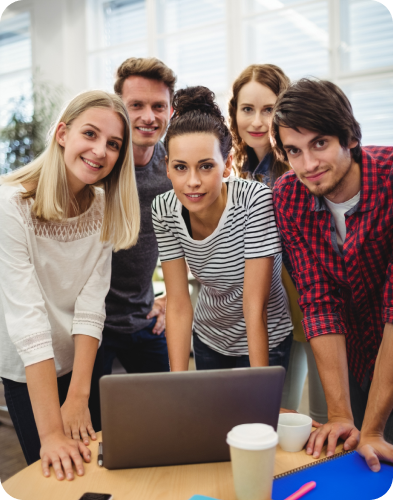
column 387, row 311
column 320, row 301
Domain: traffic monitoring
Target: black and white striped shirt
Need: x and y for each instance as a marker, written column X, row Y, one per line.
column 246, row 230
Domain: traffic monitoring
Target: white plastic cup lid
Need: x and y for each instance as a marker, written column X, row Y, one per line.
column 252, row 437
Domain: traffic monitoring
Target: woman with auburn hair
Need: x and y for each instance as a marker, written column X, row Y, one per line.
column 225, row 228
column 254, row 94
column 60, row 216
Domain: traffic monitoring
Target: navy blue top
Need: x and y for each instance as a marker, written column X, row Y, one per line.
column 252, row 166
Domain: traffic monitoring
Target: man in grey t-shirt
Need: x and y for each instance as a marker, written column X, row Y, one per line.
column 135, row 320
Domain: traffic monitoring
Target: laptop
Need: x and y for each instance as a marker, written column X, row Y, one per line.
column 178, row 418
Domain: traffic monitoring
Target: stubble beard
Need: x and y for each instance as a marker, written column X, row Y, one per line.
column 337, row 185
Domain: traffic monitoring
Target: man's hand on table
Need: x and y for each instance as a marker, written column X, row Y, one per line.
column 333, row 430
column 374, row 448
column 314, row 422
column 60, row 451
column 158, row 310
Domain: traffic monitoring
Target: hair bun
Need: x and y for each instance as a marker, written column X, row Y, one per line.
column 199, row 99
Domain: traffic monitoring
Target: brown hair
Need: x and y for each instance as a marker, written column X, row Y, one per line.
column 195, row 111
column 319, row 106
column 150, row 67
column 275, row 79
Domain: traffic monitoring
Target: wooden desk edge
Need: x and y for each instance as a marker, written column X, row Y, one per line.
column 170, row 482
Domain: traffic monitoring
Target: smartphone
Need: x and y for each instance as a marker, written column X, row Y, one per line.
column 96, row 496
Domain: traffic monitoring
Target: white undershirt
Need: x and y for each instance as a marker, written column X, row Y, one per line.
column 338, row 211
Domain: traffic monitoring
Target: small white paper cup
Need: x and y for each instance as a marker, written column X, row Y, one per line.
column 293, row 431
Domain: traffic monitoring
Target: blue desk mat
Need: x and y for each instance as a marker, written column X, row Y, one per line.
column 345, row 476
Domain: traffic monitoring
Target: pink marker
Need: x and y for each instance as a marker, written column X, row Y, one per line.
column 303, row 490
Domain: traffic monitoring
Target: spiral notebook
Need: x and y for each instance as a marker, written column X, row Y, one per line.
column 343, row 476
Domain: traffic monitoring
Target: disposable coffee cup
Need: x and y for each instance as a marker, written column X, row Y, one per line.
column 293, row 430
column 253, row 449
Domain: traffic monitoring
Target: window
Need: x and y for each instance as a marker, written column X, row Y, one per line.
column 294, row 38
column 208, row 42
column 15, row 70
column 188, row 35
column 118, row 30
column 191, row 39
column 15, row 61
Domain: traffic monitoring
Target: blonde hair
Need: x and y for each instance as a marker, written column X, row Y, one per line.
column 147, row 67
column 50, row 191
column 276, row 80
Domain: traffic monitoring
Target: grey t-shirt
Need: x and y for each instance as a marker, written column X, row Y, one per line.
column 131, row 295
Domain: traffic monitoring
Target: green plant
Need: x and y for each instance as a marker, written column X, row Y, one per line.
column 24, row 136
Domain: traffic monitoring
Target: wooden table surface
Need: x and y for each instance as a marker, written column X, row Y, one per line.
column 156, row 483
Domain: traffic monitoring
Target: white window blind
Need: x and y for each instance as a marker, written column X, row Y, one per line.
column 15, row 62
column 125, row 21
column 192, row 41
column 121, row 33
column 196, row 39
column 294, row 38
column 366, row 35
column 372, row 102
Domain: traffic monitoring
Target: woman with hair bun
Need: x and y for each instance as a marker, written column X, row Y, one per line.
column 254, row 93
column 224, row 228
column 60, row 216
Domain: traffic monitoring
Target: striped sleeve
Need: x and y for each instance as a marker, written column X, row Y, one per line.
column 169, row 246
column 262, row 238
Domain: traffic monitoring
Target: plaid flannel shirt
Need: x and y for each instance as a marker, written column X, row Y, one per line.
column 349, row 293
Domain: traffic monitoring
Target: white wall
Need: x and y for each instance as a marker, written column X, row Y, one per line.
column 58, row 41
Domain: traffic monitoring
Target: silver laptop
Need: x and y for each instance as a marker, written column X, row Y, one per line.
column 183, row 417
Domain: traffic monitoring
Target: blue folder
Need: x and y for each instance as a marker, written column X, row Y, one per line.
column 343, row 476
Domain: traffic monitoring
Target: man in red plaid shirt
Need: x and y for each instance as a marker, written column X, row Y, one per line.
column 335, row 213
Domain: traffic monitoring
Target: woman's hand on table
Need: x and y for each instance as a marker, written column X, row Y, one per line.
column 61, row 451
column 374, row 448
column 76, row 420
column 314, row 422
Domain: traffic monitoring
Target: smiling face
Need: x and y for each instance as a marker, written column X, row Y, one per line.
column 148, row 105
column 196, row 168
column 253, row 116
column 322, row 164
column 92, row 145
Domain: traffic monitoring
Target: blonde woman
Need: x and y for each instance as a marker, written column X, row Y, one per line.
column 60, row 216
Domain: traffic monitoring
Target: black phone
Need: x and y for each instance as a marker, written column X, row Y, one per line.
column 96, row 496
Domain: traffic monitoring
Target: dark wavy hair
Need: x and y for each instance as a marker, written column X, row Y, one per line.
column 319, row 106
column 195, row 111
column 277, row 81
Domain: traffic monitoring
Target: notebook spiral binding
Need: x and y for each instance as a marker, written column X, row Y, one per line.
column 303, row 467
